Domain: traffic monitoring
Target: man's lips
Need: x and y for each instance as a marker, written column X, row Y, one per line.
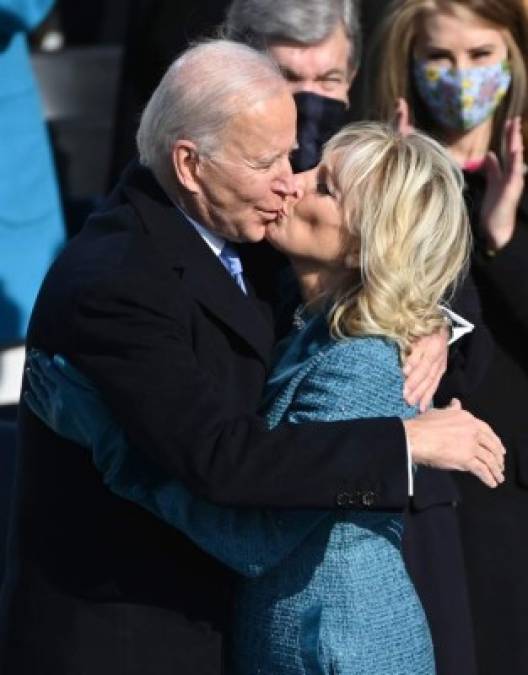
column 275, row 214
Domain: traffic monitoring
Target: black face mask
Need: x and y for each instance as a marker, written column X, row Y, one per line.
column 318, row 119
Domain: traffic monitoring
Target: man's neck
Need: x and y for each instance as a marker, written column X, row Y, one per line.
column 173, row 193
column 188, row 209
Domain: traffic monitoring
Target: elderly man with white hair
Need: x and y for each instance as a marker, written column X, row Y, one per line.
column 317, row 43
column 150, row 303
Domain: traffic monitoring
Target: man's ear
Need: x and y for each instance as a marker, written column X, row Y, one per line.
column 351, row 76
column 185, row 161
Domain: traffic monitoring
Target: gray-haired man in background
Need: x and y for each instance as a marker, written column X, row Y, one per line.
column 317, row 46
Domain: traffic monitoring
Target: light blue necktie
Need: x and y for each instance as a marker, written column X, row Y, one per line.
column 230, row 260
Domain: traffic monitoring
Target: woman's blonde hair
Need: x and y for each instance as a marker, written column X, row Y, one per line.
column 392, row 54
column 402, row 201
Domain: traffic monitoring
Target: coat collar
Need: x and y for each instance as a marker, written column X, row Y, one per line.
column 203, row 274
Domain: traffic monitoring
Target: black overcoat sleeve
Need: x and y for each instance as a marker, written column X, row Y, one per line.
column 138, row 349
column 139, row 303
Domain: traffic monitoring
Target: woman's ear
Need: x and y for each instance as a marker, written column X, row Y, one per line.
column 186, row 161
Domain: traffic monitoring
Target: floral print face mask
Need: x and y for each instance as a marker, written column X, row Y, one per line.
column 461, row 99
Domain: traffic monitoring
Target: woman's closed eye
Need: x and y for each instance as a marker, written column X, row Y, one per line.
column 481, row 54
column 323, row 189
column 438, row 55
column 476, row 54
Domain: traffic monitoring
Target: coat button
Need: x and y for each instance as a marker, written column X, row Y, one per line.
column 343, row 499
column 368, row 498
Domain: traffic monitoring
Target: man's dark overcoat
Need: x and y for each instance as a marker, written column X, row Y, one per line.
column 139, row 303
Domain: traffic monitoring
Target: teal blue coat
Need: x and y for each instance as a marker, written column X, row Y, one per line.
column 321, row 592
column 31, row 225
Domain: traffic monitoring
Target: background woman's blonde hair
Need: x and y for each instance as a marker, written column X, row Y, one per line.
column 402, row 199
column 392, row 53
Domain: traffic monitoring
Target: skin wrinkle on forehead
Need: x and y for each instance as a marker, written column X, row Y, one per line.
column 259, row 132
column 322, row 68
column 234, row 139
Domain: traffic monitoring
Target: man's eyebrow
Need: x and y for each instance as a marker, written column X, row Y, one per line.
column 289, row 73
column 274, row 156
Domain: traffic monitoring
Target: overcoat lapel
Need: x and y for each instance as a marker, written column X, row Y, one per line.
column 203, row 274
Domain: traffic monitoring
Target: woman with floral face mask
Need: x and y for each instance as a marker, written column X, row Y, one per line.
column 457, row 69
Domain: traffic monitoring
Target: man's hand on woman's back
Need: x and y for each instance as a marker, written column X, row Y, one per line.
column 453, row 439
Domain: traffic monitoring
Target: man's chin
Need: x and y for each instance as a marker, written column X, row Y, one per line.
column 258, row 231
column 247, row 238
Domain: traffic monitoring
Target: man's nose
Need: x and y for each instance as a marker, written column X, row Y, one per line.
column 298, row 187
column 284, row 184
column 305, row 87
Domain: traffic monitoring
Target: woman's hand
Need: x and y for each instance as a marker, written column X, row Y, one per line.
column 504, row 187
column 424, row 367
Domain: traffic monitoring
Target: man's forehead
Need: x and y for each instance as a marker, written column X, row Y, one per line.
column 269, row 122
column 332, row 53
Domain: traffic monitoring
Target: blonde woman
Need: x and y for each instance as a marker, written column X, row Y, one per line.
column 323, row 592
column 458, row 70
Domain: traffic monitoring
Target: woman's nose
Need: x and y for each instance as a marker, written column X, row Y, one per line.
column 462, row 62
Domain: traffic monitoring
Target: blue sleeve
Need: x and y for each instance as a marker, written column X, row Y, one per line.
column 21, row 16
column 250, row 541
column 351, row 379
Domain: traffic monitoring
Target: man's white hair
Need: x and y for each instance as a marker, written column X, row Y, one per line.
column 200, row 92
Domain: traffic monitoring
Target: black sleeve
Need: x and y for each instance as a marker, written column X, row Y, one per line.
column 135, row 348
column 506, row 274
column 469, row 357
column 501, row 277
